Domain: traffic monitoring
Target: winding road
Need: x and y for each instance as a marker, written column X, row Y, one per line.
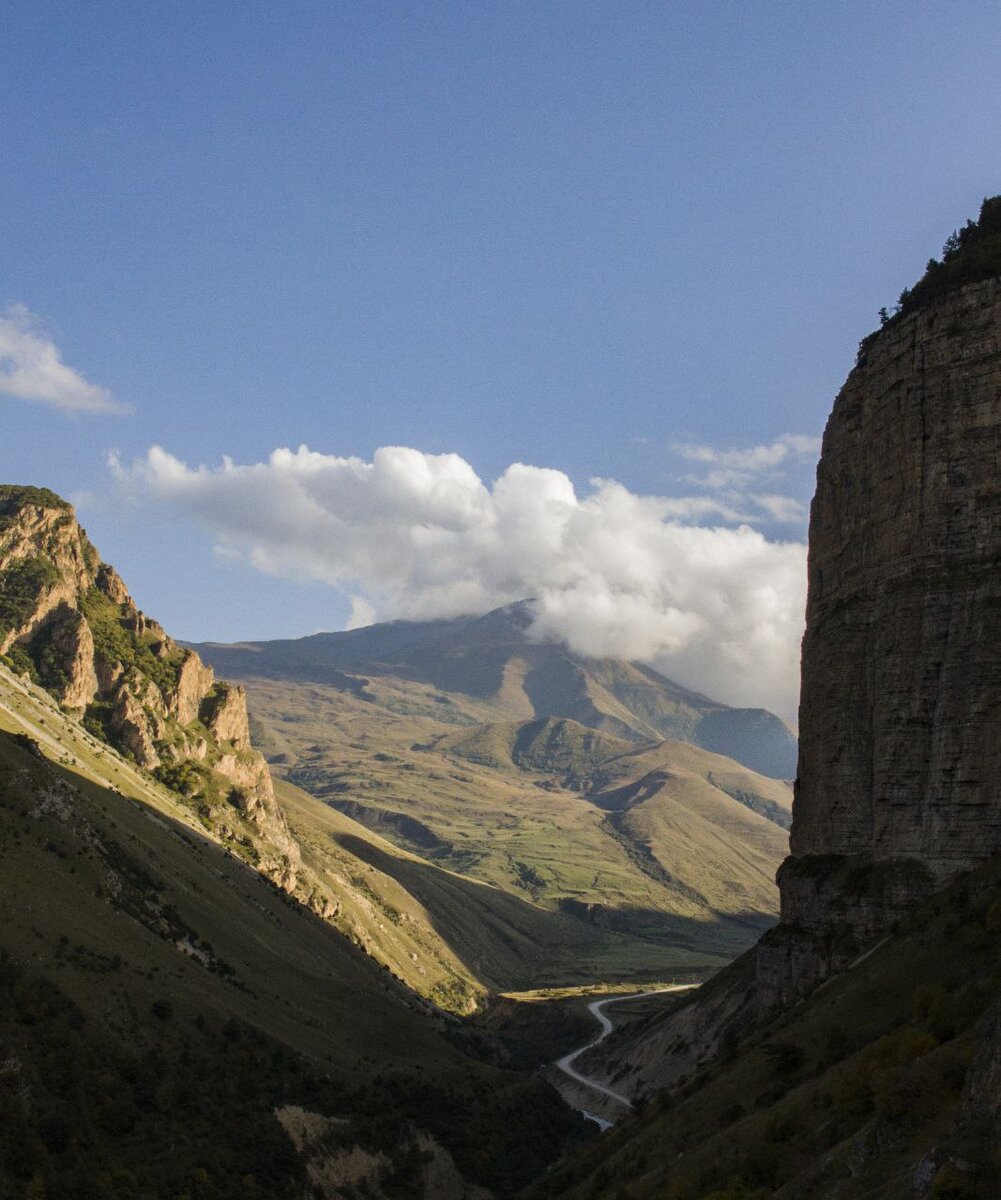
column 597, row 1010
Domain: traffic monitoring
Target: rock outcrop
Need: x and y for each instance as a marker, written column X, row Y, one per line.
column 73, row 647
column 899, row 786
column 67, row 619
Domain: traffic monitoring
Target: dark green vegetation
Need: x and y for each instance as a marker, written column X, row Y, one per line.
column 841, row 1095
column 970, row 255
column 15, row 496
column 116, row 643
column 159, row 1001
column 20, row 586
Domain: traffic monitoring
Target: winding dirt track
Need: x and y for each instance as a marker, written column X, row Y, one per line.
column 597, row 1009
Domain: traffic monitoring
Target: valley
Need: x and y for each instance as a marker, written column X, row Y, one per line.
column 500, row 601
column 609, row 857
column 380, row 936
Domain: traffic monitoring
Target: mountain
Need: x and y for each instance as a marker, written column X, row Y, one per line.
column 186, row 1004
column 68, row 623
column 856, row 1050
column 493, row 661
column 593, row 817
column 898, row 789
column 461, row 881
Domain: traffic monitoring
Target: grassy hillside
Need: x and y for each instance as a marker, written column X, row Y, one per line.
column 682, row 863
column 160, row 999
column 493, row 664
column 883, row 1084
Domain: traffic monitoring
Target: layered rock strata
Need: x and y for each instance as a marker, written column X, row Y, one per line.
column 899, row 786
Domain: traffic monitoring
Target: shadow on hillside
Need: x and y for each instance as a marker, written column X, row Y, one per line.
column 274, row 929
column 511, row 945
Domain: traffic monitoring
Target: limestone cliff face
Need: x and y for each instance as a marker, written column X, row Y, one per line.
column 68, row 620
column 899, row 784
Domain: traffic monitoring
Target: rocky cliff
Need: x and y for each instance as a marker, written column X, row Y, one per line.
column 899, row 782
column 68, row 621
column 899, row 786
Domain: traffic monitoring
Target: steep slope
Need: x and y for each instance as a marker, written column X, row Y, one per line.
column 170, row 1019
column 68, row 622
column 492, row 662
column 900, row 762
column 855, row 1051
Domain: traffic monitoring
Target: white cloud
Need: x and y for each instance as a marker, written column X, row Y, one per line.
column 784, row 510
column 420, row 535
column 362, row 614
column 737, row 468
column 32, row 369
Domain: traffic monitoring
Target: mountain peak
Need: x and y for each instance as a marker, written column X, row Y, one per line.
column 490, row 659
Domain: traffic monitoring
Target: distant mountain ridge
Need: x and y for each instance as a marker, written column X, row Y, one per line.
column 491, row 658
column 575, row 784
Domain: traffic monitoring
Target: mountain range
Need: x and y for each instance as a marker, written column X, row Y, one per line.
column 576, row 785
column 492, row 660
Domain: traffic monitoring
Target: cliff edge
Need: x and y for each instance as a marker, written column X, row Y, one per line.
column 899, row 782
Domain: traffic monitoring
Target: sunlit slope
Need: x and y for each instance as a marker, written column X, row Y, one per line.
column 699, row 821
column 655, row 841
column 107, row 879
column 455, row 935
column 492, row 663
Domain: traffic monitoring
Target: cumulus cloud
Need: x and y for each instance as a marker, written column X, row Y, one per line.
column 31, row 369
column 420, row 535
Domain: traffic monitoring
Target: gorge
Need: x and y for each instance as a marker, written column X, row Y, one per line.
column 332, row 946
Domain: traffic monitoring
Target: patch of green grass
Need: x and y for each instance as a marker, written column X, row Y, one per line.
column 113, row 642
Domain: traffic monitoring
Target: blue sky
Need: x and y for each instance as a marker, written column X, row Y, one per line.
column 576, row 236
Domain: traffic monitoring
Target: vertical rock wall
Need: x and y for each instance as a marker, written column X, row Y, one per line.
column 899, row 783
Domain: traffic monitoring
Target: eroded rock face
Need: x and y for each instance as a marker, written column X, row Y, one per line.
column 73, row 644
column 225, row 713
column 138, row 718
column 900, row 718
column 154, row 700
column 36, row 535
column 194, row 681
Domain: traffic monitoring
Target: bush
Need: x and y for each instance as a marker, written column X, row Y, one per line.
column 970, row 255
column 20, row 587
